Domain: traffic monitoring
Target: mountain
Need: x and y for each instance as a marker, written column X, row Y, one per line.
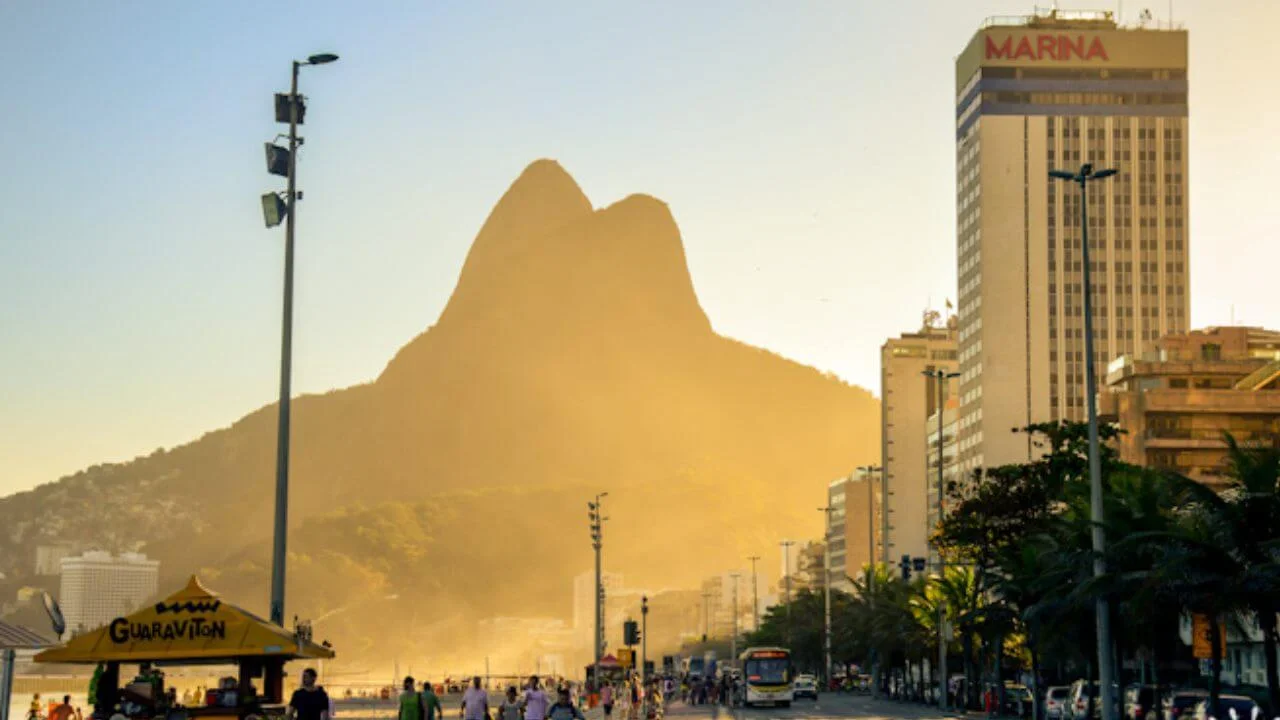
column 573, row 357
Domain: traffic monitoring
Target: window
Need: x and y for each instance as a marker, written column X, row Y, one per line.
column 1211, row 351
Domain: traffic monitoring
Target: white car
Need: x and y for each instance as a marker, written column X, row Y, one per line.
column 805, row 686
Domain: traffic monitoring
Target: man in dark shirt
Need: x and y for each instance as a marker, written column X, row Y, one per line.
column 309, row 702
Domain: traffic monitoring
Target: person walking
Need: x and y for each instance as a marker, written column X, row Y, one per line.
column 535, row 701
column 606, row 700
column 412, row 705
column 309, row 702
column 564, row 709
column 63, row 711
column 510, row 708
column 475, row 702
column 431, row 702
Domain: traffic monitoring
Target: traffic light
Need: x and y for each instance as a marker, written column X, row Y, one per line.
column 630, row 633
column 906, row 567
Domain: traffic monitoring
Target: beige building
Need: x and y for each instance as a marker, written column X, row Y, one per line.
column 852, row 532
column 1175, row 403
column 1053, row 91
column 908, row 398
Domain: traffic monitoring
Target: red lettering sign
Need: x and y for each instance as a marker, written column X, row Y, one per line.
column 1047, row 47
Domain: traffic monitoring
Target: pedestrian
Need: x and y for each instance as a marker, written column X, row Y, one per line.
column 309, row 702
column 510, row 708
column 412, row 706
column 535, row 701
column 606, row 700
column 564, row 709
column 63, row 711
column 431, row 702
column 475, row 702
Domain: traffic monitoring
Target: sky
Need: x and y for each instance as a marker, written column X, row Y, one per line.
column 806, row 150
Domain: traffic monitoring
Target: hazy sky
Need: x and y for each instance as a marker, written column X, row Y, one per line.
column 805, row 148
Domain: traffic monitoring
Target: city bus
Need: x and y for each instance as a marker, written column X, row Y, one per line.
column 767, row 672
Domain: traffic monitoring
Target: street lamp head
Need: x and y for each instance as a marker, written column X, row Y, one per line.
column 1062, row 174
column 953, row 374
column 1104, row 173
column 1086, row 170
column 321, row 59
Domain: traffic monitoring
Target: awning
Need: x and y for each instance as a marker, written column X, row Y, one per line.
column 191, row 625
column 17, row 637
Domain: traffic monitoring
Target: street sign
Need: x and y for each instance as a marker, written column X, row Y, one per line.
column 627, row 657
column 1201, row 648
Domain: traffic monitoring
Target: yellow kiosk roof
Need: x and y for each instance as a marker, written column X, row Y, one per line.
column 193, row 624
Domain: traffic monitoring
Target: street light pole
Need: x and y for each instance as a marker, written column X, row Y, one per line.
column 867, row 471
column 706, row 616
column 826, row 592
column 786, row 580
column 595, row 511
column 644, row 636
column 279, row 545
column 1102, row 609
column 755, row 595
column 733, row 641
column 940, row 378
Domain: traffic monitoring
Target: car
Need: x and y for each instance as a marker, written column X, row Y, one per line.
column 1078, row 701
column 805, row 686
column 1139, row 701
column 1018, row 700
column 1055, row 702
column 1182, row 701
column 1230, row 707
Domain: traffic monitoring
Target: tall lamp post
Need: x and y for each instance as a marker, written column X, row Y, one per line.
column 644, row 637
column 826, row 592
column 1102, row 610
column 288, row 109
column 755, row 594
column 595, row 513
column 940, row 378
column 786, row 580
column 867, row 471
column 733, row 640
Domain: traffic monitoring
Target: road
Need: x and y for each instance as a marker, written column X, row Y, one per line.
column 827, row 706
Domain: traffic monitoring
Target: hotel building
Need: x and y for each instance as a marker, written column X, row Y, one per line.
column 1053, row 91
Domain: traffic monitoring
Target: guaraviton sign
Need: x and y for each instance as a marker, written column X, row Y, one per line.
column 1047, row 47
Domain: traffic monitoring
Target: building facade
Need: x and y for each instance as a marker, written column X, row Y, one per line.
column 1176, row 403
column 96, row 587
column 907, row 399
column 584, row 609
column 1053, row 91
column 851, row 535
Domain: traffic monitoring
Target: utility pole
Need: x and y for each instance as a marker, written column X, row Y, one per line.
column 755, row 594
column 940, row 378
column 279, row 549
column 1102, row 609
column 826, row 592
column 595, row 511
column 733, row 640
column 786, row 580
column 867, row 472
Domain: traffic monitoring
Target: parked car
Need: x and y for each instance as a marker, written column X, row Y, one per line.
column 1230, row 707
column 1182, row 701
column 1078, row 702
column 1018, row 700
column 805, row 686
column 1055, row 702
column 1139, row 701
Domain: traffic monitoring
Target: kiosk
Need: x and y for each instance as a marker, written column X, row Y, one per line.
column 191, row 627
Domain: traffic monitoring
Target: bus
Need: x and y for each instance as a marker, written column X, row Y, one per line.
column 767, row 672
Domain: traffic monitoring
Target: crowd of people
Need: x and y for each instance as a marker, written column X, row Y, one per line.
column 724, row 690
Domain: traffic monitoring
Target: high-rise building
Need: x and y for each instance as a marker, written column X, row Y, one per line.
column 1054, row 91
column 97, row 588
column 1176, row 403
column 851, row 535
column 49, row 558
column 908, row 398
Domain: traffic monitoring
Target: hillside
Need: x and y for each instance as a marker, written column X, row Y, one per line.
column 572, row 357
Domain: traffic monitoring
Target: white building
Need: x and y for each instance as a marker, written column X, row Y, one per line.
column 97, row 588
